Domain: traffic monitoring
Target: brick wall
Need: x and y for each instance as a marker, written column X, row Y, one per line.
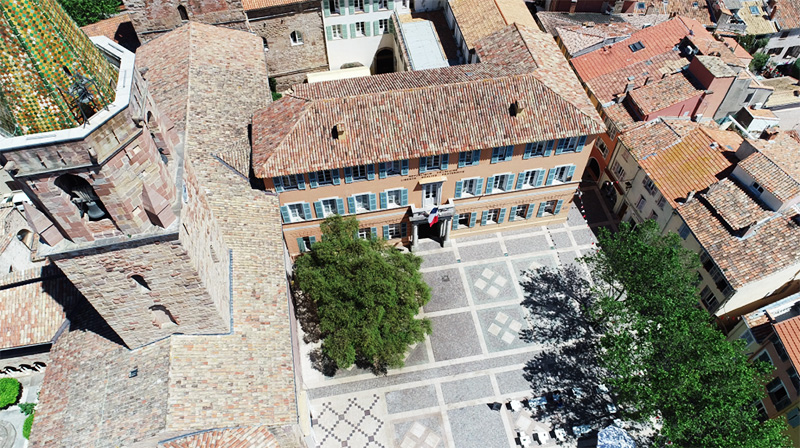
column 289, row 63
column 104, row 277
column 153, row 17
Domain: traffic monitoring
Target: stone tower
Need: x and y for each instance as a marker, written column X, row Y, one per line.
column 151, row 18
column 83, row 138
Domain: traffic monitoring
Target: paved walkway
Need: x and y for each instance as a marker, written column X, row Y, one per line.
column 474, row 356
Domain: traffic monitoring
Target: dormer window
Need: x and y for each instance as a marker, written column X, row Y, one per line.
column 757, row 188
column 338, row 131
column 517, row 107
column 636, row 46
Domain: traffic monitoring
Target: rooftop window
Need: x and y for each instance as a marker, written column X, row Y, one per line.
column 636, row 46
column 754, row 11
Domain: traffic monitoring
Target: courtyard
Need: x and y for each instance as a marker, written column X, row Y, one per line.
column 473, row 358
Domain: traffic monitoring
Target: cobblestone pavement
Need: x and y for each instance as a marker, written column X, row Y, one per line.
column 474, row 356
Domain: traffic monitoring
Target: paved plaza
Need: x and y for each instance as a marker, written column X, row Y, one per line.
column 474, row 356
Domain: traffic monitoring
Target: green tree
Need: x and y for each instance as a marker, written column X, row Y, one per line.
column 751, row 43
column 759, row 62
column 663, row 356
column 85, row 12
column 10, row 390
column 367, row 294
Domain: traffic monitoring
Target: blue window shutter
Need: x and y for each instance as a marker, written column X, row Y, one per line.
column 404, row 197
column 344, row 27
column 484, row 217
column 531, row 208
column 404, row 167
column 509, row 182
column 495, row 154
column 335, row 176
column 445, row 161
column 329, row 32
column 528, row 151
column 454, row 224
column 386, row 232
column 581, row 142
column 348, row 175
column 278, row 184
column 352, row 25
column 391, row 5
column 539, row 178
column 381, row 170
column 458, row 189
column 489, row 185
column 326, row 8
column 367, row 4
column 301, row 181
column 478, row 186
column 373, row 233
column 301, row 245
column 351, row 204
column 509, row 153
column 520, row 179
column 571, row 172
column 550, row 176
column 558, row 206
column 472, row 218
column 558, row 147
column 512, row 214
column 371, row 171
column 376, row 25
column 312, row 179
column 540, row 213
column 476, row 157
column 384, row 200
column 502, row 216
column 366, row 24
column 285, row 213
column 312, row 240
column 403, row 229
column 462, row 159
column 318, row 209
column 549, row 148
column 307, row 211
column 339, row 206
column 373, row 202
column 423, row 164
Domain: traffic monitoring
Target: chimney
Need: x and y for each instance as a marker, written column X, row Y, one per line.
column 770, row 133
column 774, row 11
column 647, row 80
column 628, row 87
column 572, row 6
column 517, row 108
column 690, row 196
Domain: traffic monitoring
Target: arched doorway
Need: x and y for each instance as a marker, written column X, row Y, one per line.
column 384, row 61
column 592, row 171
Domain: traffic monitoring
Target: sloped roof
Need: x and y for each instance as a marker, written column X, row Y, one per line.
column 784, row 91
column 756, row 23
column 245, row 437
column 663, row 93
column 479, row 18
column 249, row 5
column 107, row 27
column 771, row 176
column 687, row 8
column 453, row 109
column 789, row 333
column 606, row 87
column 551, row 20
column 788, row 14
column 735, row 206
column 578, row 37
column 678, row 160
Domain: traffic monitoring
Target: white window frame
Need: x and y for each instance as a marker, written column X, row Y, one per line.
column 301, row 216
column 334, row 8
column 336, row 32
column 430, row 166
column 365, row 233
column 550, row 207
column 356, row 200
column 618, row 171
column 601, row 146
column 557, row 178
column 334, row 210
column 289, row 183
column 522, row 211
column 360, row 27
column 538, row 148
column 398, row 192
column 499, row 183
column 394, row 168
column 471, row 182
column 529, row 178
column 383, row 4
column 567, row 145
column 395, row 231
column 492, row 215
column 383, row 25
column 358, row 5
column 465, row 217
column 296, row 37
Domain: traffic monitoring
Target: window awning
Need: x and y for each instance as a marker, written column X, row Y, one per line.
column 432, row 180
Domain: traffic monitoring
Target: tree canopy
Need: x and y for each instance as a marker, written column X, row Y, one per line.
column 85, row 12
column 367, row 294
column 663, row 357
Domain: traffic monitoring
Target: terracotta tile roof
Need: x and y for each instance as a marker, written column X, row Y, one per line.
column 679, row 156
column 32, row 306
column 663, row 93
column 774, row 243
column 250, row 5
column 707, row 45
column 657, row 40
column 246, row 437
column 734, row 205
column 608, row 86
column 479, row 18
column 579, row 37
column 756, row 23
column 107, row 27
column 192, row 383
column 716, row 66
column 686, row 8
column 293, row 135
column 784, row 89
column 738, row 50
column 775, row 166
column 789, row 333
column 788, row 14
column 550, row 21
column 621, row 116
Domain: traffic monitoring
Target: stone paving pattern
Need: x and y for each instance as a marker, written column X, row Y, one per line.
column 474, row 356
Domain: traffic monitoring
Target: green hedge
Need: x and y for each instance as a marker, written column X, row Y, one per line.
column 26, row 427
column 9, row 392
